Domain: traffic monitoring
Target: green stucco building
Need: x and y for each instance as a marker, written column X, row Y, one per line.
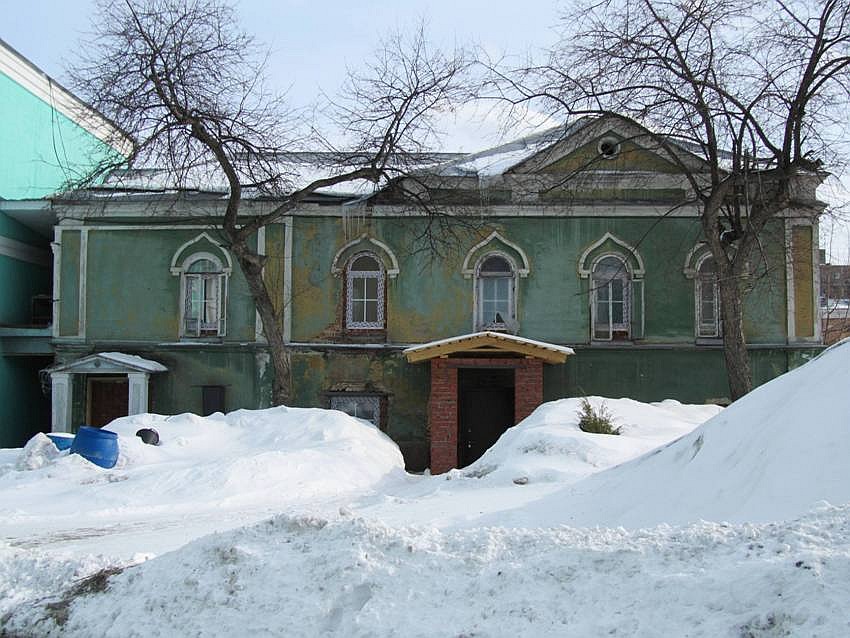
column 549, row 282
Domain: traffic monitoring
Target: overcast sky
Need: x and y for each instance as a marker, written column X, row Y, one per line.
column 312, row 43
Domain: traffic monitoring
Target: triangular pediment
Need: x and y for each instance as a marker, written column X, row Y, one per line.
column 609, row 144
column 109, row 363
column 629, row 156
column 489, row 344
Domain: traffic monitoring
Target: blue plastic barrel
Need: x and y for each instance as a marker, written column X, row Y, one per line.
column 61, row 440
column 96, row 445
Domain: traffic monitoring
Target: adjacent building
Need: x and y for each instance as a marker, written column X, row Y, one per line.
column 48, row 138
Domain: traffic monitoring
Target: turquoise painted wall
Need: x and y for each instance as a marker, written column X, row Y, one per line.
column 24, row 409
column 40, row 148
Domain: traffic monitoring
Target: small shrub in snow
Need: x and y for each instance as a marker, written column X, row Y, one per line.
column 596, row 421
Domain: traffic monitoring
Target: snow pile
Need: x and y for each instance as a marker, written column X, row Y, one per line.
column 770, row 456
column 310, row 577
column 38, row 452
column 267, row 458
column 549, row 446
column 372, row 551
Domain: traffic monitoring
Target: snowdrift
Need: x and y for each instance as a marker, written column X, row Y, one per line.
column 548, row 446
column 248, row 457
column 772, row 455
column 312, row 577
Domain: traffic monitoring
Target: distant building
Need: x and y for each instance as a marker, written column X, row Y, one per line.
column 835, row 302
column 47, row 138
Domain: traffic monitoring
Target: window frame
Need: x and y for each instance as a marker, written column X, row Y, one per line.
column 716, row 331
column 510, row 324
column 376, row 400
column 380, row 299
column 624, row 275
column 220, row 276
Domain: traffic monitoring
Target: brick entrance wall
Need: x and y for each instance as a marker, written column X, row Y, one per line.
column 443, row 401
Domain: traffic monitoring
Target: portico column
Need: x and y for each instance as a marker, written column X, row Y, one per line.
column 60, row 398
column 137, row 400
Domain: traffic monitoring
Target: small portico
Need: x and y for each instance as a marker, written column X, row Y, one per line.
column 117, row 385
column 481, row 384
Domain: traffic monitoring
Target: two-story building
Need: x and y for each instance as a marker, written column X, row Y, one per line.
column 567, row 263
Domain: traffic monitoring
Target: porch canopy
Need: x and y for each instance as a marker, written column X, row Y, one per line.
column 481, row 384
column 489, row 344
column 136, row 369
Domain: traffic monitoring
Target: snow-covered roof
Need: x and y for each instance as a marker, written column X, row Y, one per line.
column 297, row 170
column 489, row 342
column 110, row 362
column 499, row 159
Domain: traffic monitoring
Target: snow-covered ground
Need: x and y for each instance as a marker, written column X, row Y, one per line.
column 693, row 522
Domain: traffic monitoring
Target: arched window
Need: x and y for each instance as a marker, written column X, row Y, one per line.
column 707, row 301
column 611, row 299
column 364, row 293
column 204, row 286
column 495, row 291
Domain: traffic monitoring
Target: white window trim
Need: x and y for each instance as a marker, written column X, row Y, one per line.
column 469, row 272
column 627, row 299
column 390, row 263
column 223, row 275
column 636, row 270
column 380, row 275
column 477, row 320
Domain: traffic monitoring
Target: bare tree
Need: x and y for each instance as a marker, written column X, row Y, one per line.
column 753, row 89
column 187, row 86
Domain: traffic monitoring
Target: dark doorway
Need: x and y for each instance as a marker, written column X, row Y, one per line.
column 107, row 399
column 212, row 399
column 486, row 409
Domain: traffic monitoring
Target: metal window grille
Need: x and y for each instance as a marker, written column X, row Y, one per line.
column 366, row 407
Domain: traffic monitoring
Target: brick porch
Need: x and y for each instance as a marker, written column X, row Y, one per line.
column 443, row 400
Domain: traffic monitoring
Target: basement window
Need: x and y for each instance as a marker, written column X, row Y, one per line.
column 362, row 406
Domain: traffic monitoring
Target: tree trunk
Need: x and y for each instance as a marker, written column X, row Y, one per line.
column 731, row 266
column 734, row 344
column 252, row 267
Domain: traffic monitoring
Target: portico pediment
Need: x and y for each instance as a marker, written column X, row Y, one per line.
column 109, row 363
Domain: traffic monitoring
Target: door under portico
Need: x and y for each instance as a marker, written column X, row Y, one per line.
column 481, row 384
column 486, row 410
column 106, row 399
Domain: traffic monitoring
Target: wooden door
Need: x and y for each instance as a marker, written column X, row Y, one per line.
column 107, row 399
column 486, row 405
